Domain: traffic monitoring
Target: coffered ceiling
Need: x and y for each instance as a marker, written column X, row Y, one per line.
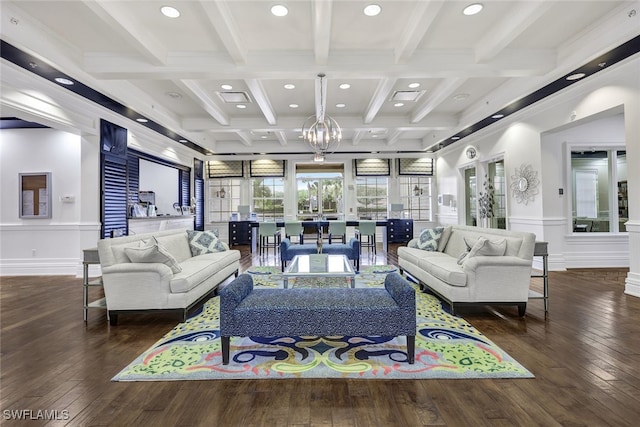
column 418, row 72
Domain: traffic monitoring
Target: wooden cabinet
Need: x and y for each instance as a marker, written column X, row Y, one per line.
column 399, row 230
column 240, row 233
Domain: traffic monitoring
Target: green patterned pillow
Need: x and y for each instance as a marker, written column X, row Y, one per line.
column 428, row 240
column 204, row 242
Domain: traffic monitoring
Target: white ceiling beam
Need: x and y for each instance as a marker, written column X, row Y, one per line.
column 245, row 138
column 293, row 123
column 201, row 95
column 261, row 98
column 394, row 136
column 377, row 100
column 444, row 90
column 357, row 137
column 322, row 18
column 370, row 64
column 521, row 17
column 423, row 15
column 117, row 17
column 282, row 137
column 222, row 21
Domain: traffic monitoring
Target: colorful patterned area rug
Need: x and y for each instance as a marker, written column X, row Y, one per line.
column 446, row 347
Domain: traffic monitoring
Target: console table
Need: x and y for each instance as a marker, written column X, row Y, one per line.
column 90, row 256
column 540, row 250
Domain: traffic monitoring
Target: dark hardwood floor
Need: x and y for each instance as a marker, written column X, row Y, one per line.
column 585, row 355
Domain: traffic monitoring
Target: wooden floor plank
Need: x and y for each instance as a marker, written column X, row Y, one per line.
column 584, row 353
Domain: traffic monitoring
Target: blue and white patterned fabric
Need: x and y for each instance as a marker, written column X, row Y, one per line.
column 428, row 240
column 320, row 312
column 204, row 242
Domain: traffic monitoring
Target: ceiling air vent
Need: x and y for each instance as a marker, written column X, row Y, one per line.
column 235, row 97
column 406, row 95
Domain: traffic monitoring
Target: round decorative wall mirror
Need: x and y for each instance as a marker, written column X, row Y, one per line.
column 524, row 184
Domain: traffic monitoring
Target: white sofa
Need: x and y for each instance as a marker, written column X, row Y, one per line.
column 491, row 280
column 141, row 286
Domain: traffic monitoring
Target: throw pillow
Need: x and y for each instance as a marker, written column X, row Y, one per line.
column 153, row 252
column 486, row 247
column 469, row 243
column 204, row 242
column 428, row 240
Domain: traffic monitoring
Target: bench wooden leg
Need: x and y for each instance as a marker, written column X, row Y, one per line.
column 225, row 350
column 411, row 348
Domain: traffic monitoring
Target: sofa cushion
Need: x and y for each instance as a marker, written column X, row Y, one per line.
column 176, row 244
column 204, row 242
column 428, row 239
column 152, row 252
column 444, row 268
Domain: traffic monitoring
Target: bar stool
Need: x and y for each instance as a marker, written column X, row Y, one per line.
column 294, row 228
column 338, row 229
column 267, row 230
column 368, row 229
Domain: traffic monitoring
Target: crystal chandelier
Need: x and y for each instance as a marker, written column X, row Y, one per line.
column 321, row 132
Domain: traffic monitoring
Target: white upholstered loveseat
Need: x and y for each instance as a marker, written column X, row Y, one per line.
column 168, row 277
column 485, row 277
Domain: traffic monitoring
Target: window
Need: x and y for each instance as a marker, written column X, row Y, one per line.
column 372, row 197
column 223, row 198
column 599, row 195
column 415, row 195
column 268, row 198
column 496, row 176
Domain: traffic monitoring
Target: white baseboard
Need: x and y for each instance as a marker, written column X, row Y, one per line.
column 632, row 285
column 41, row 267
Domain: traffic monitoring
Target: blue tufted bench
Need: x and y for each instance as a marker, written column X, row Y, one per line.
column 245, row 311
column 352, row 250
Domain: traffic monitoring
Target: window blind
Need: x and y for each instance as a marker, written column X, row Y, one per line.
column 372, row 167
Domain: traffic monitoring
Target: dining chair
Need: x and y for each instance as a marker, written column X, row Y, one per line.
column 267, row 230
column 294, row 228
column 367, row 229
column 338, row 229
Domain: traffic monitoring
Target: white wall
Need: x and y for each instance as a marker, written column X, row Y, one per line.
column 528, row 137
column 42, row 246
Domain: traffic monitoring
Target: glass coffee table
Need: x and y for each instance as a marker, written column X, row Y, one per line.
column 320, row 265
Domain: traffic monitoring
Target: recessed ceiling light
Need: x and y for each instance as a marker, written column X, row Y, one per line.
column 64, row 81
column 241, row 106
column 226, row 87
column 289, row 86
column 576, row 76
column 461, row 96
column 398, row 104
column 345, row 86
column 182, row 140
column 293, row 105
column 372, row 10
column 174, row 95
column 142, row 120
column 279, row 10
column 264, row 137
column 472, row 9
column 170, row 12
column 414, row 85
column 374, row 136
column 341, row 105
column 455, row 138
column 497, row 116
